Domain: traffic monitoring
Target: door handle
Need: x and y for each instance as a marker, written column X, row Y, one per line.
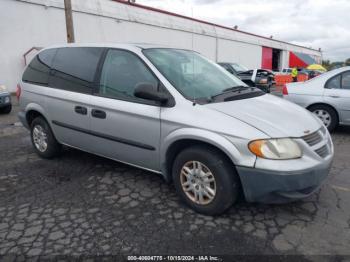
column 80, row 110
column 98, row 113
column 334, row 96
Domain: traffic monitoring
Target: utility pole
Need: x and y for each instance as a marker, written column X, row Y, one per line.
column 69, row 21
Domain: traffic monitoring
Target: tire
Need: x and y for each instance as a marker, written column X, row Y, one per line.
column 53, row 148
column 326, row 112
column 226, row 183
column 6, row 109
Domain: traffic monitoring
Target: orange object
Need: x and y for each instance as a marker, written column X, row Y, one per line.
column 284, row 79
column 302, row 78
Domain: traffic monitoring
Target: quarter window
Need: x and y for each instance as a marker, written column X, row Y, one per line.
column 121, row 73
column 334, row 83
column 346, row 80
column 38, row 70
column 74, row 68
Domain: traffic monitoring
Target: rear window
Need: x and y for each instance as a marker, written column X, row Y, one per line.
column 38, row 70
column 74, row 68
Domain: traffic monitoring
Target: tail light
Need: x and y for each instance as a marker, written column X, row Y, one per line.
column 285, row 90
column 18, row 91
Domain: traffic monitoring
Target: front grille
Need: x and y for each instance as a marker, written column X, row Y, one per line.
column 318, row 141
column 313, row 138
column 322, row 151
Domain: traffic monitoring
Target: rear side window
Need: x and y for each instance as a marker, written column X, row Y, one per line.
column 38, row 70
column 74, row 68
column 345, row 81
column 334, row 83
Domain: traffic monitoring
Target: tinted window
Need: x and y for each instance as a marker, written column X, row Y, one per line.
column 38, row 70
column 228, row 68
column 121, row 73
column 74, row 68
column 345, row 80
column 239, row 68
column 334, row 83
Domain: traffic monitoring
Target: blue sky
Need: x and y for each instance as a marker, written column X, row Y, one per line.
column 321, row 24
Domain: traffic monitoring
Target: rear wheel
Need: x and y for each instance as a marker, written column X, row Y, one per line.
column 205, row 180
column 327, row 115
column 43, row 140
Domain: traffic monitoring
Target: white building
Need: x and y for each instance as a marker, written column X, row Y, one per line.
column 40, row 23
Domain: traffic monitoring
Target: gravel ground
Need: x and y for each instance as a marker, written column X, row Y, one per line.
column 84, row 204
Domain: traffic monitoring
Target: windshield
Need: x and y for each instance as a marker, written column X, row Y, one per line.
column 192, row 75
column 239, row 68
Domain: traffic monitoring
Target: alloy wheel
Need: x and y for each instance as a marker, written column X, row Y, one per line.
column 198, row 182
column 40, row 138
column 324, row 116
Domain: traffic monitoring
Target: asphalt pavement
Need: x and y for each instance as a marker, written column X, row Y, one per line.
column 82, row 204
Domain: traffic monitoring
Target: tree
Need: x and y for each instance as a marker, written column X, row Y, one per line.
column 347, row 62
column 335, row 65
column 326, row 64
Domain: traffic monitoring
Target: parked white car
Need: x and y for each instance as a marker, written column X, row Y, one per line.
column 286, row 71
column 327, row 96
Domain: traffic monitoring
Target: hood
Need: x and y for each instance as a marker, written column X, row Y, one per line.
column 272, row 115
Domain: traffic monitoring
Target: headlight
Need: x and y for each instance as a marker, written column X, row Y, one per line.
column 3, row 88
column 7, row 100
column 280, row 148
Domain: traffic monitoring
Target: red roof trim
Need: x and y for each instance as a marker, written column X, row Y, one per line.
column 126, row 2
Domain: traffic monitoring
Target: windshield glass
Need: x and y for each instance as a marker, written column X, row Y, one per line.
column 192, row 75
column 239, row 68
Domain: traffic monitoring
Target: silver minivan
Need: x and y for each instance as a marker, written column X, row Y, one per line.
column 176, row 113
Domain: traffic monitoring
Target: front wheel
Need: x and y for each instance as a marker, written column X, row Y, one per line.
column 43, row 140
column 327, row 115
column 205, row 180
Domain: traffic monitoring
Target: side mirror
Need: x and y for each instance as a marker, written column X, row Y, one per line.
column 149, row 91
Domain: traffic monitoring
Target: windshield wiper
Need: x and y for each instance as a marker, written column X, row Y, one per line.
column 235, row 88
column 230, row 89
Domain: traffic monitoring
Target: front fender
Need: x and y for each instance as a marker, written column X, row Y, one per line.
column 234, row 148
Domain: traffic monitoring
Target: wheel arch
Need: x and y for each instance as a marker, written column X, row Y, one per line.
column 324, row 104
column 182, row 139
column 34, row 110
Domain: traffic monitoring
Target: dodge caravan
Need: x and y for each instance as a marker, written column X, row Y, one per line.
column 176, row 113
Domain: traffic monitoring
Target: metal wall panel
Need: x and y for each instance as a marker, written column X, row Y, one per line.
column 248, row 55
column 28, row 23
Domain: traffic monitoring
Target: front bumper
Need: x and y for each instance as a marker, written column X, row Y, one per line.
column 5, row 100
column 268, row 186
